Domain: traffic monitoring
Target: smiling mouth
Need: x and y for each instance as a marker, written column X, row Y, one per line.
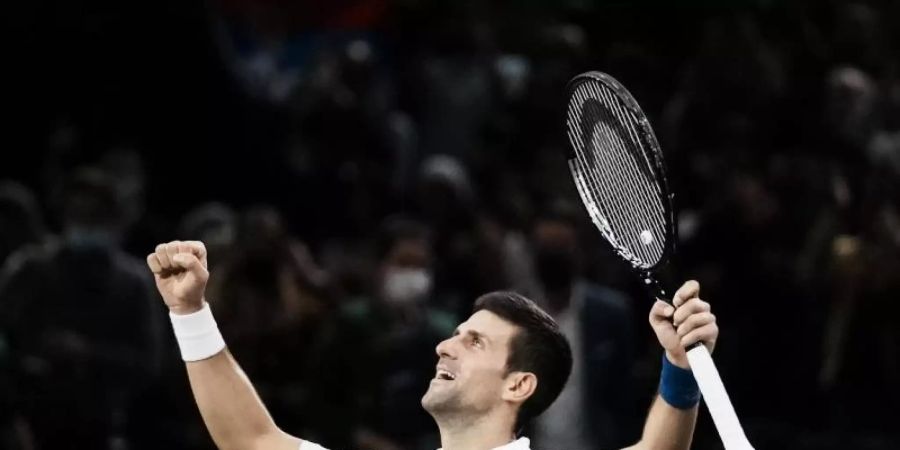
column 444, row 375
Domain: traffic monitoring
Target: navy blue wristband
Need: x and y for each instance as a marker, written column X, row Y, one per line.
column 677, row 386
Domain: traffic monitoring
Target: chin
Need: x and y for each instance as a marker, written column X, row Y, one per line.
column 434, row 401
column 428, row 400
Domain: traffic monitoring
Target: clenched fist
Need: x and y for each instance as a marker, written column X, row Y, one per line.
column 686, row 321
column 181, row 274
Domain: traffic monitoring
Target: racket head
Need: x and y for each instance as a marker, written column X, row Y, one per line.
column 619, row 170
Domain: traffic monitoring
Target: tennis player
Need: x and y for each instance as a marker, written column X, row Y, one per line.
column 502, row 367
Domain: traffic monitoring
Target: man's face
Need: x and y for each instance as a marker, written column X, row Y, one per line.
column 471, row 368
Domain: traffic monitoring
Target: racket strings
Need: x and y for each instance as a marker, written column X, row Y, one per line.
column 628, row 205
column 626, row 201
column 649, row 189
column 622, row 166
column 622, row 201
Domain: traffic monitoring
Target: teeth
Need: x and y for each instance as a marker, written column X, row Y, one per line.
column 444, row 375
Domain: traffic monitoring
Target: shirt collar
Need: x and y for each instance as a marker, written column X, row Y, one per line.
column 519, row 444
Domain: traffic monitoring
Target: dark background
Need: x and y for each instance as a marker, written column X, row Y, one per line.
column 315, row 127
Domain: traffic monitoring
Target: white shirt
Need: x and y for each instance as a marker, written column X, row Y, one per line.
column 518, row 444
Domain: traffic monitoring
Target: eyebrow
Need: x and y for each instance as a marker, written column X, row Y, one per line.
column 473, row 333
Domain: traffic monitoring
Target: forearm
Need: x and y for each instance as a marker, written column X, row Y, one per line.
column 673, row 414
column 233, row 412
column 667, row 427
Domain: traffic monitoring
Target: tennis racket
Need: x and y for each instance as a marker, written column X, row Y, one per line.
column 620, row 175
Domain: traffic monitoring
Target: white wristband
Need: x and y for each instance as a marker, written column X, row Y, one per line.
column 197, row 334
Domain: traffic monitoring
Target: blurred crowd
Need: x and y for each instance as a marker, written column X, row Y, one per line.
column 361, row 170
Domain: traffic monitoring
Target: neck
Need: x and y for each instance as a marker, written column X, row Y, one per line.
column 483, row 433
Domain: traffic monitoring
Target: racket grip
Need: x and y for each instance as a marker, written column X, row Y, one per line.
column 655, row 290
column 716, row 399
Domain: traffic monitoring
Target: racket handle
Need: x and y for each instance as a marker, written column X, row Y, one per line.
column 716, row 399
column 656, row 291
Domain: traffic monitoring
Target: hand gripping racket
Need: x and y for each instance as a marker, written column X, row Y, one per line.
column 620, row 174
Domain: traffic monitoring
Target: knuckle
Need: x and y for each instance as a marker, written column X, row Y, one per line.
column 193, row 245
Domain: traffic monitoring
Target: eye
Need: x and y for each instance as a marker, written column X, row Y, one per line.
column 476, row 341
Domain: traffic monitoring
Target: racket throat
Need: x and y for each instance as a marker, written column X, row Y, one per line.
column 654, row 289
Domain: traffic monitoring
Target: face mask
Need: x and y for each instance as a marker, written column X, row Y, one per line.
column 89, row 239
column 404, row 285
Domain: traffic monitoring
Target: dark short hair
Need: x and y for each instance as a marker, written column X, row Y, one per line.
column 539, row 347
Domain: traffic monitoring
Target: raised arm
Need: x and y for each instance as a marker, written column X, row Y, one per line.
column 234, row 415
column 670, row 422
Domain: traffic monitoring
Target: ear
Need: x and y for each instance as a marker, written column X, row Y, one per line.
column 519, row 386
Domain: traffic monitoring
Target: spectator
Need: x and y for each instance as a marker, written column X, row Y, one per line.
column 272, row 299
column 82, row 322
column 20, row 218
column 392, row 332
column 596, row 408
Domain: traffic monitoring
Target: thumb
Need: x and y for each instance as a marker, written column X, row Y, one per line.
column 661, row 322
column 189, row 262
column 661, row 314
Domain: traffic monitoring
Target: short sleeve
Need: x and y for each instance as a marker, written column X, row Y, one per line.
column 307, row 445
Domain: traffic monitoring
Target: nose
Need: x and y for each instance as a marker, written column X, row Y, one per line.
column 445, row 349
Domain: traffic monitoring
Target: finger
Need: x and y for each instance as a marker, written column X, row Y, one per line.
column 695, row 321
column 706, row 334
column 692, row 306
column 688, row 290
column 163, row 257
column 171, row 251
column 661, row 311
column 184, row 247
column 198, row 249
column 189, row 262
column 153, row 262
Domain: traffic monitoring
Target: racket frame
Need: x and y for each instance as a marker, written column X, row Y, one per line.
column 715, row 395
column 653, row 153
